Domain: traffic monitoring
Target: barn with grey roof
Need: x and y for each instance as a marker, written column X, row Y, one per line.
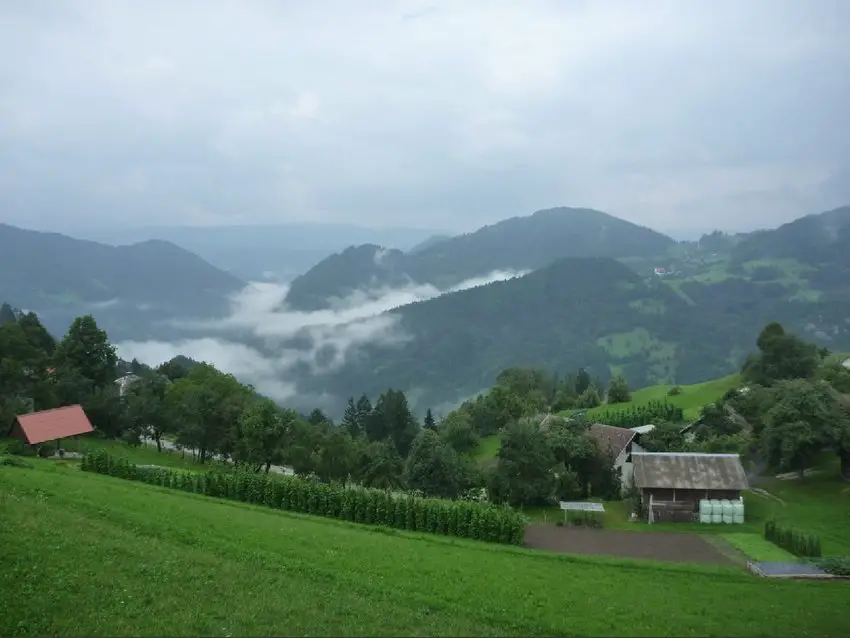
column 672, row 484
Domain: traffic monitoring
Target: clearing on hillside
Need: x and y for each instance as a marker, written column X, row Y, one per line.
column 667, row 546
column 691, row 397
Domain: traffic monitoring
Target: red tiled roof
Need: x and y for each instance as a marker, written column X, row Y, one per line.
column 610, row 437
column 58, row 423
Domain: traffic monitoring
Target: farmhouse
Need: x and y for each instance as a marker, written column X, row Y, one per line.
column 125, row 382
column 42, row 427
column 672, row 484
column 620, row 443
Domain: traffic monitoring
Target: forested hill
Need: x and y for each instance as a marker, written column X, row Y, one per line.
column 592, row 312
column 819, row 241
column 519, row 243
column 129, row 287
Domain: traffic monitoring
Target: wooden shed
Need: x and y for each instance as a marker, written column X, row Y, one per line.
column 672, row 484
column 42, row 427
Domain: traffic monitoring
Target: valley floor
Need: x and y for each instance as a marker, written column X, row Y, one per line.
column 96, row 555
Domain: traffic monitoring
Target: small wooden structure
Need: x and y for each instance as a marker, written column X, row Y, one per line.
column 671, row 484
column 38, row 428
column 583, row 513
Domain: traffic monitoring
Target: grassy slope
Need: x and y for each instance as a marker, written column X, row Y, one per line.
column 86, row 554
column 141, row 455
column 757, row 548
column 692, row 398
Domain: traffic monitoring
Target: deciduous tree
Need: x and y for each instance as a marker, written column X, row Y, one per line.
column 433, row 467
column 618, row 390
column 86, row 350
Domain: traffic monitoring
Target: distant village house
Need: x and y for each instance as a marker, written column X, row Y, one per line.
column 619, row 443
column 125, row 382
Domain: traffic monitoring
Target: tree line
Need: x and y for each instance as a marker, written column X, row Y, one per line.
column 792, row 395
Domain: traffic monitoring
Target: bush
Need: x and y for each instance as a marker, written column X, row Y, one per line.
column 835, row 565
column 585, row 519
column 12, row 461
column 674, row 391
column 357, row 504
column 16, row 447
column 792, row 540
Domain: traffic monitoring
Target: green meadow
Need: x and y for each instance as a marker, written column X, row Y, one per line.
column 85, row 554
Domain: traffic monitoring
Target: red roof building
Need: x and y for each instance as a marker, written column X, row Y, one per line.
column 49, row 425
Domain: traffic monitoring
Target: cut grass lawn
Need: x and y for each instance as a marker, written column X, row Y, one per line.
column 757, row 548
column 92, row 555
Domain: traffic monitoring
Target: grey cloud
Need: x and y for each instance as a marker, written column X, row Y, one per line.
column 679, row 114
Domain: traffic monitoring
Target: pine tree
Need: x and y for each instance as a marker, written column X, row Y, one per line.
column 429, row 420
column 7, row 315
column 351, row 419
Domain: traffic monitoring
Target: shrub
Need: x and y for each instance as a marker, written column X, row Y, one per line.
column 674, row 391
column 792, row 540
column 12, row 461
column 464, row 519
column 16, row 447
column 835, row 565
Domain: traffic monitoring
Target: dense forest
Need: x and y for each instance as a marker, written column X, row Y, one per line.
column 595, row 313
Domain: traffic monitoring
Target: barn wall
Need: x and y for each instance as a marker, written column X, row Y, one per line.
column 692, row 496
column 17, row 432
column 624, row 464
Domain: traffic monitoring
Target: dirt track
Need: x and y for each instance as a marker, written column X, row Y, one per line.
column 671, row 546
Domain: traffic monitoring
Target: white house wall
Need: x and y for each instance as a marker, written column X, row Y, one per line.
column 627, row 468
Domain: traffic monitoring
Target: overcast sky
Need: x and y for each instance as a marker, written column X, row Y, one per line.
column 685, row 115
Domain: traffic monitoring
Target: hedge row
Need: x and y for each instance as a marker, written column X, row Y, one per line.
column 797, row 542
column 358, row 505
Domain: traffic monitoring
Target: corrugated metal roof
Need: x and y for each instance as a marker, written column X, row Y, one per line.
column 611, row 438
column 643, row 429
column 58, row 423
column 689, row 471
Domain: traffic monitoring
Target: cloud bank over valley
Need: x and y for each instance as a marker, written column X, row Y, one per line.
column 264, row 343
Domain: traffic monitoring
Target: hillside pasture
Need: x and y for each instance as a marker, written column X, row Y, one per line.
column 85, row 554
column 691, row 397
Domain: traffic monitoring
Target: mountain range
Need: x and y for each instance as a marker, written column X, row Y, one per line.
column 644, row 306
column 276, row 252
column 131, row 289
column 596, row 291
column 516, row 244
